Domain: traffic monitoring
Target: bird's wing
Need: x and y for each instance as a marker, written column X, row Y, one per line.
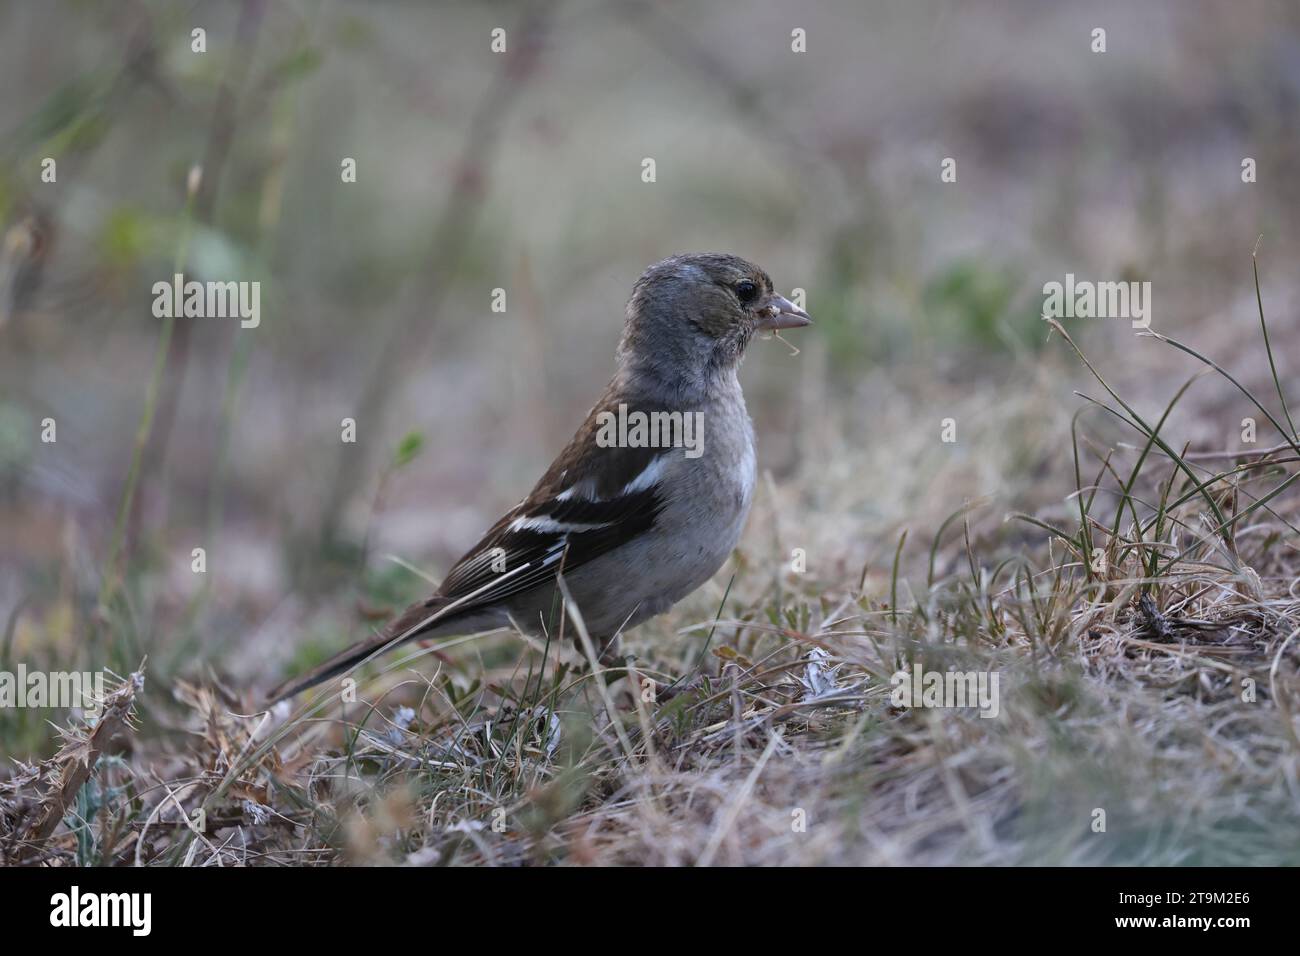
column 532, row 543
column 594, row 498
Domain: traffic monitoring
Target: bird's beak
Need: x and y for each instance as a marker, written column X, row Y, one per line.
column 781, row 313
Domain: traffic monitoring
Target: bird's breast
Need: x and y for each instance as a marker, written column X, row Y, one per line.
column 712, row 493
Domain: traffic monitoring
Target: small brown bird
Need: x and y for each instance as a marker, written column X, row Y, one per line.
column 648, row 498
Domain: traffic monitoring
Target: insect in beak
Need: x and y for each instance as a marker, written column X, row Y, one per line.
column 781, row 313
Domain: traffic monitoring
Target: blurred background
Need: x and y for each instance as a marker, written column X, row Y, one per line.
column 522, row 170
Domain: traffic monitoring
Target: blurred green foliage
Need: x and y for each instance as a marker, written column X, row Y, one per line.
column 974, row 302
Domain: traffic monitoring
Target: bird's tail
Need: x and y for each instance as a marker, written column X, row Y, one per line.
column 418, row 619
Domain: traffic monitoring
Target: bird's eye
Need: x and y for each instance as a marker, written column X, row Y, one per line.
column 746, row 292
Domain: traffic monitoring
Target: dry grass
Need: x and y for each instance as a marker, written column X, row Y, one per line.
column 1145, row 639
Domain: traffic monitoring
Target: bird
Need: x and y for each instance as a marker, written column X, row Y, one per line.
column 646, row 501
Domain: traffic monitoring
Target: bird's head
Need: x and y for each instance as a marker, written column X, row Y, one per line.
column 693, row 315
